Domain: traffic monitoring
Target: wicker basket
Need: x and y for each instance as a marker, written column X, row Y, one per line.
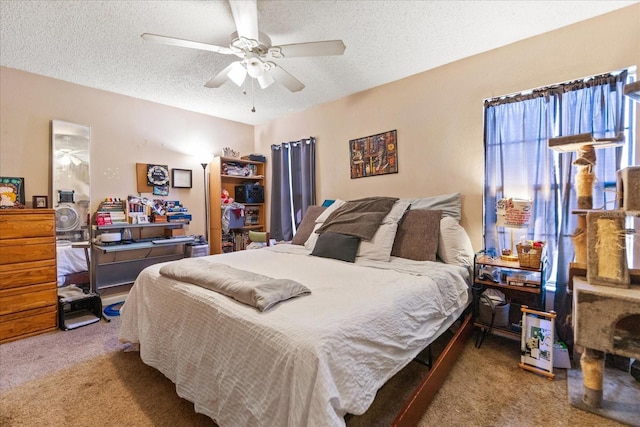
column 529, row 256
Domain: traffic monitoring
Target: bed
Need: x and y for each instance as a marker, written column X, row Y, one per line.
column 311, row 359
column 72, row 263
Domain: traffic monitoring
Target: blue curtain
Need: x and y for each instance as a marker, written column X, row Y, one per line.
column 597, row 107
column 519, row 164
column 293, row 190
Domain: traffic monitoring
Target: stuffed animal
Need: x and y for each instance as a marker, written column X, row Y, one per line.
column 226, row 200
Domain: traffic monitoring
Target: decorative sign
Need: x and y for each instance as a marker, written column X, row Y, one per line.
column 374, row 155
column 11, row 192
column 158, row 177
column 513, row 213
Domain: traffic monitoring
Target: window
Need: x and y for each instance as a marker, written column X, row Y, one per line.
column 519, row 164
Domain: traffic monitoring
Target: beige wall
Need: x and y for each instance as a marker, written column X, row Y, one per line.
column 439, row 113
column 124, row 131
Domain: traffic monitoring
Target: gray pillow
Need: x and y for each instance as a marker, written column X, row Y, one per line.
column 337, row 246
column 306, row 226
column 449, row 204
column 417, row 235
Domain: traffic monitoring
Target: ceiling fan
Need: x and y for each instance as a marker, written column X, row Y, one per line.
column 254, row 50
column 67, row 154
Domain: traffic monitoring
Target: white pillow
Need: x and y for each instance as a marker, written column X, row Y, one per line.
column 380, row 246
column 313, row 237
column 324, row 215
column 454, row 244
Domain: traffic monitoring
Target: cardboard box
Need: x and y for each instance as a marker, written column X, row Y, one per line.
column 159, row 218
column 174, row 232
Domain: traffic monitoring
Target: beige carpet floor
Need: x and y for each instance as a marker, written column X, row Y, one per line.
column 84, row 378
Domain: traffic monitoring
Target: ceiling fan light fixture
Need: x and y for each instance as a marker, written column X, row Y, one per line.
column 237, row 74
column 65, row 159
column 255, row 67
column 265, row 80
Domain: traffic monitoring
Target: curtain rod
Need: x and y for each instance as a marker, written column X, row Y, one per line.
column 308, row 140
column 558, row 88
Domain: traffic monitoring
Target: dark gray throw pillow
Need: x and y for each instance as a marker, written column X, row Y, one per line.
column 417, row 235
column 337, row 246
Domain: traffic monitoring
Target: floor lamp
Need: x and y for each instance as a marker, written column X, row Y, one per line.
column 206, row 202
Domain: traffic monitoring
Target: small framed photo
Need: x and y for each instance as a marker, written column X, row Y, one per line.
column 181, row 178
column 143, row 219
column 40, row 202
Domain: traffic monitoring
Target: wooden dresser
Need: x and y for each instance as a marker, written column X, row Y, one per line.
column 28, row 279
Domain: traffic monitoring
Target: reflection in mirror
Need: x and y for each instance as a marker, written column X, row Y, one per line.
column 70, row 183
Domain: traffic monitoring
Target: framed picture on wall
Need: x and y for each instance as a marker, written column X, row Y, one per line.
column 181, row 178
column 11, row 192
column 40, row 202
column 374, row 155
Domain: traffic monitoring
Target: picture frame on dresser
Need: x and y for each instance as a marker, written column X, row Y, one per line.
column 11, row 192
column 40, row 202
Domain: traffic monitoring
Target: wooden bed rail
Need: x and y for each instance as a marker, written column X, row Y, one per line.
column 419, row 401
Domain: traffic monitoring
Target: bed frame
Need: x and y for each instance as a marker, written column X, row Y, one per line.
column 423, row 395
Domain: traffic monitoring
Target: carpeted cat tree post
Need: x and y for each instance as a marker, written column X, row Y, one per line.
column 592, row 361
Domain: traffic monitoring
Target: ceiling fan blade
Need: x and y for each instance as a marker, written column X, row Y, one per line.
column 245, row 15
column 154, row 38
column 330, row 47
column 229, row 71
column 286, row 79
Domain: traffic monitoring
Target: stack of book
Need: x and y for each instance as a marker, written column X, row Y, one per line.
column 252, row 215
column 111, row 211
column 177, row 213
column 137, row 207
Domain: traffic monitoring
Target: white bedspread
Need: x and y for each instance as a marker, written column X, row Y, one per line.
column 307, row 361
column 70, row 260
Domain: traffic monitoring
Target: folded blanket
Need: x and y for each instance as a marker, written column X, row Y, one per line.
column 360, row 218
column 246, row 287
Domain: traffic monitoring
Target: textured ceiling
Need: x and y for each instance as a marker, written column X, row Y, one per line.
column 98, row 44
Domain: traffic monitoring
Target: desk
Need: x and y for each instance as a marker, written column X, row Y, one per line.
column 119, row 263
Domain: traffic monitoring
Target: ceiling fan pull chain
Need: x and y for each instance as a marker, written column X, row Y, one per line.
column 253, row 96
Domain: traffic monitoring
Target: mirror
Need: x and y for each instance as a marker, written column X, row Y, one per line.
column 70, row 183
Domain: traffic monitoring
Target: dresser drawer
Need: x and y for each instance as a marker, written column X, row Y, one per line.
column 32, row 225
column 27, row 273
column 24, row 250
column 26, row 323
column 15, row 300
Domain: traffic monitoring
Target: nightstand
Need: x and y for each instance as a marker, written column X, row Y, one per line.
column 520, row 285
